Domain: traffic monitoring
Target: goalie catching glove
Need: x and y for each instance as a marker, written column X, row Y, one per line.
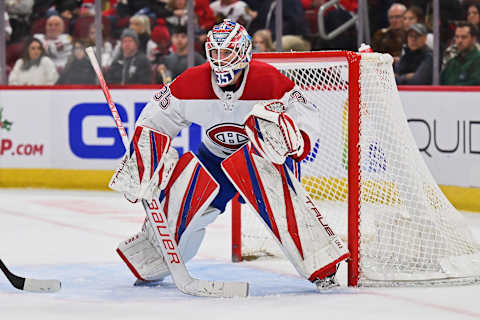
column 145, row 168
column 274, row 133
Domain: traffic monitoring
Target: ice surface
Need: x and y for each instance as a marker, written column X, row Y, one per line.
column 71, row 236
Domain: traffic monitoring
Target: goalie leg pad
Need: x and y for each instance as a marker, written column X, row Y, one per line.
column 185, row 202
column 142, row 255
column 189, row 191
column 297, row 225
column 142, row 258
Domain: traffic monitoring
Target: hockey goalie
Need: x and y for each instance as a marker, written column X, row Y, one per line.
column 253, row 140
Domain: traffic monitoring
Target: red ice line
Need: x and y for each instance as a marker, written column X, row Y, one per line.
column 54, row 222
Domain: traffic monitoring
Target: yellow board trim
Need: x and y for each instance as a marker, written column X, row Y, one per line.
column 462, row 198
column 55, row 178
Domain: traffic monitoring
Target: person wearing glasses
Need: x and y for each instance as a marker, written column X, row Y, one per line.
column 390, row 40
column 416, row 64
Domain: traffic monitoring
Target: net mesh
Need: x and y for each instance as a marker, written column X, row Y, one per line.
column 408, row 230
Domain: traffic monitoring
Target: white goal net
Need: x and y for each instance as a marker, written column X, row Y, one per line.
column 366, row 175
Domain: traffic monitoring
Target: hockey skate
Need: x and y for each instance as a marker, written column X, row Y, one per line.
column 147, row 283
column 327, row 283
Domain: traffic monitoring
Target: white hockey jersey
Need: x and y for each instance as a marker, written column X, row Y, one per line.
column 194, row 97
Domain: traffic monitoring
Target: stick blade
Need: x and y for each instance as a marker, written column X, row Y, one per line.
column 220, row 289
column 34, row 285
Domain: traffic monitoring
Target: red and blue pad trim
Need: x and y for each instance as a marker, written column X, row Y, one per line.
column 190, row 190
column 134, row 147
column 242, row 170
column 258, row 192
column 159, row 144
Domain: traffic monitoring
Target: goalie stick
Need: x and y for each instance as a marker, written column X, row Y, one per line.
column 157, row 219
column 32, row 285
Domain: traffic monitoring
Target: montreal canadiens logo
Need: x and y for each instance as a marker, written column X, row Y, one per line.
column 228, row 135
column 297, row 95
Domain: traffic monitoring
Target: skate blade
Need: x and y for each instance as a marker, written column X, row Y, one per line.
column 141, row 283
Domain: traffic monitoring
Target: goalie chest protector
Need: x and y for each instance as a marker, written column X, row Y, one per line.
column 194, row 97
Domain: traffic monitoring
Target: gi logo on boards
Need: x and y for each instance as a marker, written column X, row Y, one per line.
column 92, row 133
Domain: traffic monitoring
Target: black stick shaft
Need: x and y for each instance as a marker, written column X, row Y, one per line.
column 16, row 281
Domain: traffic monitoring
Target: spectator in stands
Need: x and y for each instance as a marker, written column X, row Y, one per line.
column 414, row 15
column 472, row 16
column 132, row 66
column 161, row 37
column 451, row 11
column 19, row 12
column 78, row 69
column 292, row 42
column 205, row 15
column 464, row 68
column 390, row 40
column 174, row 13
column 415, row 66
column 70, row 10
column 171, row 65
column 172, row 10
column 133, row 7
column 235, row 10
column 107, row 49
column 178, row 14
column 141, row 25
column 87, row 8
column 34, row 68
column 262, row 41
column 57, row 44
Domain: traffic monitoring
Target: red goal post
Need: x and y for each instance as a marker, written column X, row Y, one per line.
column 367, row 173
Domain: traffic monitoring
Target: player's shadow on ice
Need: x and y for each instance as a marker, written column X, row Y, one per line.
column 114, row 282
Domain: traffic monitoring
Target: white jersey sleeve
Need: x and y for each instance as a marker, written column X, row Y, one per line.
column 164, row 113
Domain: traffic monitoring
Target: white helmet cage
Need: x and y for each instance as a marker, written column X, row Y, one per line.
column 229, row 50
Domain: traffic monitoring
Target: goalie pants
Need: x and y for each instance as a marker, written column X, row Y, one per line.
column 212, row 163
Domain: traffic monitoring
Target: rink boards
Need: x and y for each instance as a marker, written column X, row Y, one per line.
column 65, row 138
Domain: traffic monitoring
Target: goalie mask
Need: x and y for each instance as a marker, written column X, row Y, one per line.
column 229, row 50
